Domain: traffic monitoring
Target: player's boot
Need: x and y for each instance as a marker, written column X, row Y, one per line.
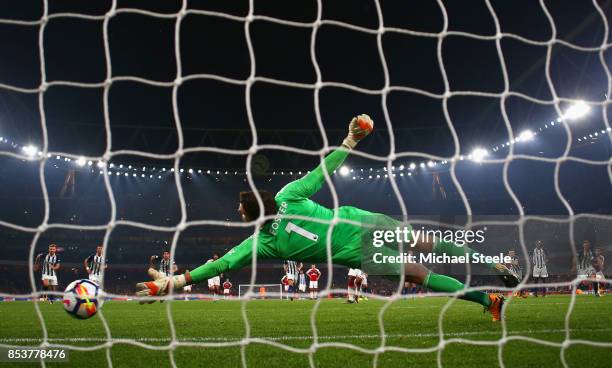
column 497, row 302
column 509, row 278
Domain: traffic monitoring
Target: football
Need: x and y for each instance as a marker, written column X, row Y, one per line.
column 81, row 299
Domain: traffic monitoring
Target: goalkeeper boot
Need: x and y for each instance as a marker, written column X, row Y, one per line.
column 158, row 287
column 497, row 303
column 508, row 277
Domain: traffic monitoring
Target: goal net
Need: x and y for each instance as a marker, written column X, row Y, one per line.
column 399, row 160
column 260, row 291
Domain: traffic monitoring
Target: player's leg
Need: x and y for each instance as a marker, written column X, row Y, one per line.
column 351, row 289
column 290, row 286
column 417, row 273
column 45, row 284
column 357, row 289
column 428, row 246
column 53, row 288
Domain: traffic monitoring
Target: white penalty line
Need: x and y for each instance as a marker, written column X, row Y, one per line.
column 287, row 338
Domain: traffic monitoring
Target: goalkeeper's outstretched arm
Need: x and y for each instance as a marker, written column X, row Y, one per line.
column 238, row 257
column 359, row 127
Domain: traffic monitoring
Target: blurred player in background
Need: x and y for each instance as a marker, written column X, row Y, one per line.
column 583, row 266
column 282, row 237
column 214, row 283
column 301, row 283
column 94, row 265
column 539, row 261
column 361, row 286
column 598, row 267
column 515, row 267
column 227, row 289
column 49, row 263
column 166, row 266
column 313, row 275
column 285, row 283
column 353, row 273
column 291, row 269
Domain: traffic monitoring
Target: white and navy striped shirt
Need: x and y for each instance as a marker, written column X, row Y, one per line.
column 516, row 268
column 302, row 279
column 95, row 264
column 539, row 258
column 164, row 266
column 292, row 267
column 585, row 260
column 49, row 261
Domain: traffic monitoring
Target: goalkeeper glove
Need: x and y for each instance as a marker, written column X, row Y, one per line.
column 359, row 128
column 159, row 287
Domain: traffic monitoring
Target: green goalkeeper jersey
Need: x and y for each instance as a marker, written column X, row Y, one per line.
column 299, row 239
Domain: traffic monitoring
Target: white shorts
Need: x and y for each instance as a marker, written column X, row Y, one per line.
column 52, row 279
column 302, row 287
column 291, row 276
column 314, row 284
column 187, row 288
column 540, row 272
column 215, row 281
column 286, row 287
column 599, row 275
column 226, row 291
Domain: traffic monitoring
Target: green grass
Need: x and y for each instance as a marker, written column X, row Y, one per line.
column 411, row 324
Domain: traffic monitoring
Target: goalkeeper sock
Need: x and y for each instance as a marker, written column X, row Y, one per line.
column 453, row 249
column 437, row 282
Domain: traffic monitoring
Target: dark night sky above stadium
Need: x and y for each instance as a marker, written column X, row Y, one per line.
column 213, row 113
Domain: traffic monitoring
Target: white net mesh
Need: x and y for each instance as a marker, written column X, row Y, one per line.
column 316, row 87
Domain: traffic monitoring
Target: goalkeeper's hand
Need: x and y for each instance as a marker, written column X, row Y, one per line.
column 157, row 287
column 359, row 127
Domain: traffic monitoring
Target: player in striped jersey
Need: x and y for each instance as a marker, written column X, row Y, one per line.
column 49, row 263
column 583, row 266
column 94, row 265
column 166, row 266
column 539, row 261
column 301, row 282
column 515, row 267
column 296, row 227
column 292, row 268
column 313, row 275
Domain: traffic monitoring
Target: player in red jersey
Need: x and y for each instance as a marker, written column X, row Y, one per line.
column 227, row 286
column 313, row 275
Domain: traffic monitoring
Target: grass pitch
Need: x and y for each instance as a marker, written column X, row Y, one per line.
column 408, row 324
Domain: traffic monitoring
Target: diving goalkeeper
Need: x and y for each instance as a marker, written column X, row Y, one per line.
column 305, row 241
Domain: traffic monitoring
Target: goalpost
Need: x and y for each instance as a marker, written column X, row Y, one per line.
column 275, row 290
column 261, row 291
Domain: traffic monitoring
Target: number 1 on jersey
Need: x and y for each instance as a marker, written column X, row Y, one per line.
column 291, row 227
